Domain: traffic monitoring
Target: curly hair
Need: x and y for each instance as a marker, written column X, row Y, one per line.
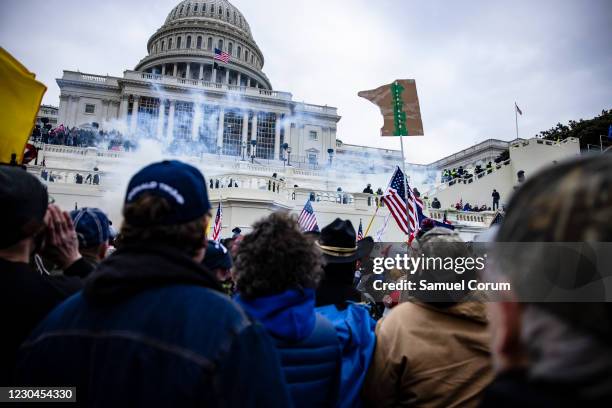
column 275, row 257
column 140, row 226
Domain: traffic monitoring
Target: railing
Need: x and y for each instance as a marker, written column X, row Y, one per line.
column 328, row 110
column 242, row 181
column 171, row 80
column 67, row 176
column 454, row 216
column 78, row 76
column 470, row 150
column 470, row 179
column 521, row 143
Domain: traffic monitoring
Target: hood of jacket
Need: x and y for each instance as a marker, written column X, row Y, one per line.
column 134, row 268
column 289, row 316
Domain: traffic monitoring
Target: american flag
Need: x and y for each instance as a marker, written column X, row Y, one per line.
column 520, row 112
column 395, row 198
column 222, row 56
column 360, row 231
column 216, row 235
column 307, row 219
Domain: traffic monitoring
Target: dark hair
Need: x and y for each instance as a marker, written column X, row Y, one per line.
column 140, row 226
column 276, row 256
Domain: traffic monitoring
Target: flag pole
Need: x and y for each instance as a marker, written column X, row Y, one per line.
column 516, row 119
column 405, row 184
column 365, row 234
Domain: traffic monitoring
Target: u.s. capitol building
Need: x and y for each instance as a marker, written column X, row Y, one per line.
column 261, row 150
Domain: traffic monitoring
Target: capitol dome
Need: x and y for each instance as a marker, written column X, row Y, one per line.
column 184, row 45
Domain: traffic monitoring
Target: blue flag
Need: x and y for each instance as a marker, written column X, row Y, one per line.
column 610, row 132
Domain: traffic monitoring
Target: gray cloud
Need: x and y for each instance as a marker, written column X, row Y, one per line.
column 471, row 60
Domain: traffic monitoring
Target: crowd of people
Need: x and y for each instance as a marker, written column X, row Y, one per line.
column 81, row 137
column 155, row 314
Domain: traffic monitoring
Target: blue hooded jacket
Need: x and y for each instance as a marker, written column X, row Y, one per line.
column 307, row 343
column 356, row 332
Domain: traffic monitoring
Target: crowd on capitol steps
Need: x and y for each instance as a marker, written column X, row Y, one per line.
column 154, row 313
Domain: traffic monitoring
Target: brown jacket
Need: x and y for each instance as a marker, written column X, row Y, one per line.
column 430, row 357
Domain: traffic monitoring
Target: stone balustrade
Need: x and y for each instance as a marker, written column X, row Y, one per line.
column 64, row 175
column 245, row 181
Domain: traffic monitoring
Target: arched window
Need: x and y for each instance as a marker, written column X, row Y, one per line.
column 178, row 43
column 246, row 55
column 188, row 45
column 239, row 53
column 230, row 47
column 251, row 55
column 163, row 44
column 169, row 43
column 209, row 45
column 188, row 8
column 204, row 8
column 195, row 8
column 212, row 9
column 220, row 11
column 220, row 44
column 234, row 17
column 181, row 10
column 199, row 43
column 227, row 14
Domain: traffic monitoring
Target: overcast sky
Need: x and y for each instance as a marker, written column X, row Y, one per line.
column 471, row 59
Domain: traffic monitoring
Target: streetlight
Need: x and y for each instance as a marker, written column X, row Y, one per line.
column 330, row 152
column 253, row 144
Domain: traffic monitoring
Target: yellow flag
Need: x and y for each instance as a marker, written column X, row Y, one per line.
column 20, row 97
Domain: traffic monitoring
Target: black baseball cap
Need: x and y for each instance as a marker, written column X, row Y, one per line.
column 23, row 204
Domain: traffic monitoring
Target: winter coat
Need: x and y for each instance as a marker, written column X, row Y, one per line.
column 307, row 344
column 26, row 297
column 429, row 356
column 151, row 329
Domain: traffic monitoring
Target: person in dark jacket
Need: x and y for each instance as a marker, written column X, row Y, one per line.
column 151, row 327
column 496, row 198
column 277, row 271
column 28, row 226
column 436, row 203
column 341, row 252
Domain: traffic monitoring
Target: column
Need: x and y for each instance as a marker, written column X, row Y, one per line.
column 245, row 126
column 64, row 102
column 221, row 127
column 188, row 73
column 249, row 82
column 174, row 72
column 227, row 76
column 239, row 79
column 277, row 132
column 134, row 119
column 75, row 117
column 163, row 69
column 196, row 119
column 123, row 108
column 201, row 77
column 160, row 119
column 213, row 74
column 105, row 108
column 287, row 126
column 254, row 131
column 170, row 130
